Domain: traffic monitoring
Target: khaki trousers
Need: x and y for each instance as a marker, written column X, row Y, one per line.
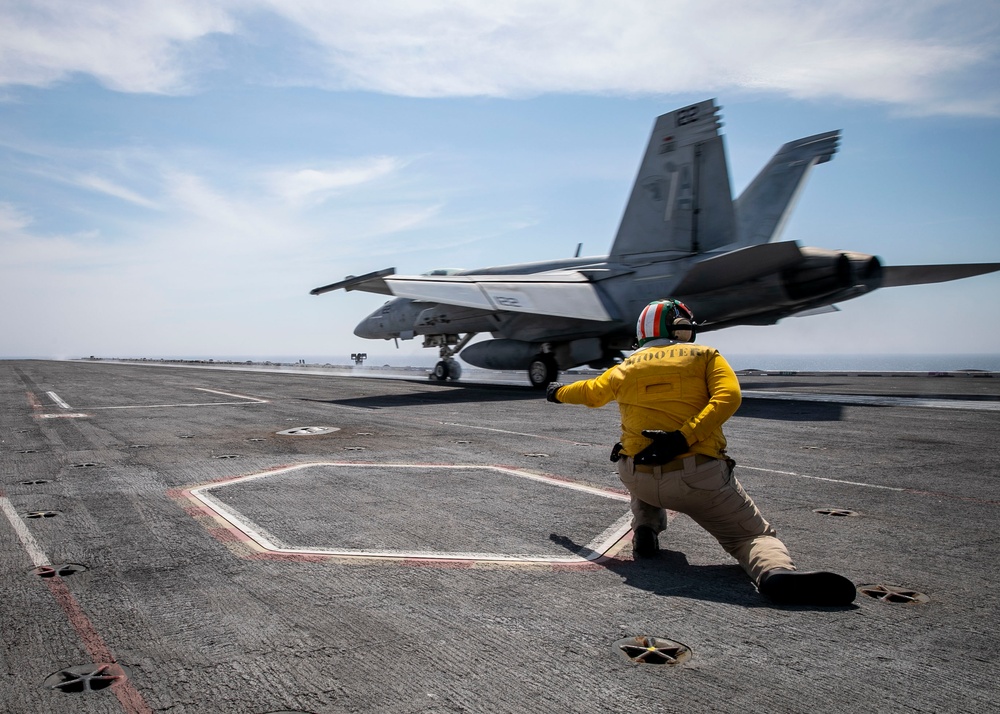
column 710, row 494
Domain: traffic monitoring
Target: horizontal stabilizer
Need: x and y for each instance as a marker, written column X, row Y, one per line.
column 896, row 275
column 738, row 266
column 823, row 310
column 369, row 283
column 565, row 294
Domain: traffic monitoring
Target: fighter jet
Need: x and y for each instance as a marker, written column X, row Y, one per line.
column 682, row 236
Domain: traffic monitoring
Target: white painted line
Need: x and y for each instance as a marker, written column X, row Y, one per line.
column 562, row 483
column 821, row 478
column 248, row 400
column 614, row 533
column 487, row 428
column 505, row 431
column 171, row 406
column 55, row 398
column 874, row 400
column 596, row 549
column 228, row 394
column 35, row 552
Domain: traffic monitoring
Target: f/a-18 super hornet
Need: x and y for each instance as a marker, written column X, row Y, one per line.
column 682, row 236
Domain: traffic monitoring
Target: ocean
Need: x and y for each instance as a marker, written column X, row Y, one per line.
column 784, row 362
column 867, row 363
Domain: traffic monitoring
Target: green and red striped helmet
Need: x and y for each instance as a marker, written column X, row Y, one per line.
column 658, row 319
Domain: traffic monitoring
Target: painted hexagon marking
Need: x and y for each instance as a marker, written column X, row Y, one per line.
column 242, row 524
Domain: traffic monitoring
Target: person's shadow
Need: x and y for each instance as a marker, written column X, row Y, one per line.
column 670, row 575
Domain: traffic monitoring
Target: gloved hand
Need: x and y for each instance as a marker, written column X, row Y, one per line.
column 550, row 392
column 666, row 446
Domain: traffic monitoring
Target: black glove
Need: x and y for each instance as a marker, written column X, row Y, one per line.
column 666, row 446
column 550, row 392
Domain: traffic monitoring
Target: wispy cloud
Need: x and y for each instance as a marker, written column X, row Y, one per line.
column 23, row 248
column 311, row 186
column 260, row 215
column 110, row 188
column 929, row 56
column 129, row 45
column 12, row 220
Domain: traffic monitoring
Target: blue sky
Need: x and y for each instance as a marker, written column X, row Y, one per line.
column 175, row 177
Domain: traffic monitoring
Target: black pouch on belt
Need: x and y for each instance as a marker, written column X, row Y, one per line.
column 616, row 451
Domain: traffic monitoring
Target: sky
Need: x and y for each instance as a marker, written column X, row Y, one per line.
column 175, row 177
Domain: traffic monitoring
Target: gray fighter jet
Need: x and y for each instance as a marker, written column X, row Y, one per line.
column 682, row 236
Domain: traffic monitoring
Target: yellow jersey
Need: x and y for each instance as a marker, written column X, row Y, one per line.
column 673, row 387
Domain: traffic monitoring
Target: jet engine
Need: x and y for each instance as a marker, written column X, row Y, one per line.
column 824, row 272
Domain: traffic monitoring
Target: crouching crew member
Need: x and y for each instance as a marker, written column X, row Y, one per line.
column 674, row 397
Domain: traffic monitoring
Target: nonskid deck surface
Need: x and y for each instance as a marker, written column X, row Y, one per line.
column 213, row 540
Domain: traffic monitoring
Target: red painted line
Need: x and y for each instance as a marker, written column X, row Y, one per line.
column 33, row 402
column 443, row 564
column 226, row 535
column 287, row 557
column 128, row 696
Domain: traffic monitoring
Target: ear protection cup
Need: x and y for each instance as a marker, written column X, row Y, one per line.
column 681, row 335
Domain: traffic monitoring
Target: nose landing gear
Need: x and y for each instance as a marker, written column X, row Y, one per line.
column 448, row 367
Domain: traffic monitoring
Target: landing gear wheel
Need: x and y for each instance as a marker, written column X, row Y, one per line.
column 542, row 371
column 447, row 369
column 441, row 371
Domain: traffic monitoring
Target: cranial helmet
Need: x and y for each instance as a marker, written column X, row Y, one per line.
column 661, row 319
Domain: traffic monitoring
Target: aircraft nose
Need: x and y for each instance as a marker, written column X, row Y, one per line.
column 365, row 329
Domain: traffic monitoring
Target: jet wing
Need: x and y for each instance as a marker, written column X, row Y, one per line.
column 896, row 275
column 369, row 283
column 565, row 294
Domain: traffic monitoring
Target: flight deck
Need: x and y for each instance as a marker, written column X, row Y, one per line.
column 304, row 540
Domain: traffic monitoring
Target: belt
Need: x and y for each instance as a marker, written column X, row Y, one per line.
column 675, row 465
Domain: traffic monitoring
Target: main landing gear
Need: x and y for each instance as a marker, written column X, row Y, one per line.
column 447, row 369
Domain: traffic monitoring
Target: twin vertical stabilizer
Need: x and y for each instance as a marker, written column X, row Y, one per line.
column 764, row 206
column 681, row 201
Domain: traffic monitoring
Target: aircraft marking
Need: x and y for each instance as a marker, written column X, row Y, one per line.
column 687, row 115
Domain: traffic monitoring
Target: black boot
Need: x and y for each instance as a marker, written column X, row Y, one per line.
column 793, row 587
column 645, row 543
